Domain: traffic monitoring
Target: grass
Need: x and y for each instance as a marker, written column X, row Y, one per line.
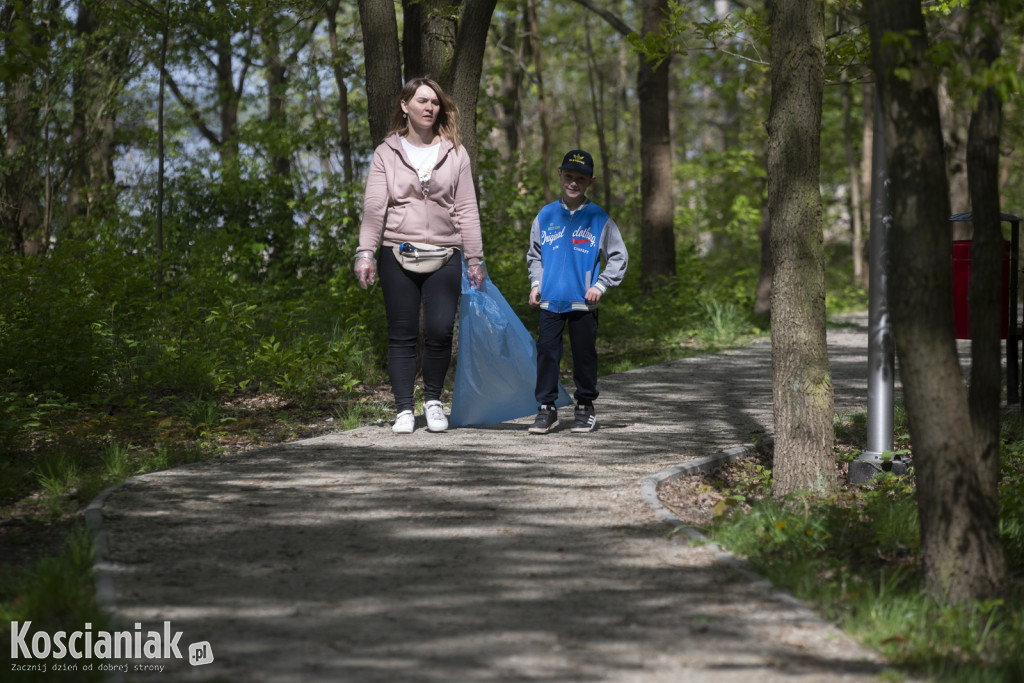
column 58, row 591
column 855, row 557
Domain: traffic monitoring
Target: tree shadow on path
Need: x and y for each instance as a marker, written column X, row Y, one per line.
column 481, row 554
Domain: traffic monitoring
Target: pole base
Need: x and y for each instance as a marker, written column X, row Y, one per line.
column 868, row 465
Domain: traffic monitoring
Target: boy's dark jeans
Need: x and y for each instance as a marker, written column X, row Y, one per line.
column 582, row 341
column 403, row 293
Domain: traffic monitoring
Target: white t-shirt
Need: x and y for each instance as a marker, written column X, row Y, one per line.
column 422, row 158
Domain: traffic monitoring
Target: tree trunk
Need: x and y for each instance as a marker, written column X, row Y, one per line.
column 228, row 98
column 853, row 172
column 21, row 184
column 96, row 87
column 867, row 143
column 282, row 222
column 344, row 137
column 510, row 104
column 985, row 42
column 955, row 119
column 383, row 65
column 439, row 25
column 545, row 129
column 955, row 524
column 801, row 379
column 228, row 95
column 597, row 91
column 657, row 208
column 462, row 76
column 657, row 234
column 412, row 42
column 161, row 156
column 450, row 39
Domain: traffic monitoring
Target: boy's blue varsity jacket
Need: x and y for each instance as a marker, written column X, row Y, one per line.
column 565, row 254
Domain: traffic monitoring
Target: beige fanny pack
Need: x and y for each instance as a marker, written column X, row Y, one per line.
column 417, row 257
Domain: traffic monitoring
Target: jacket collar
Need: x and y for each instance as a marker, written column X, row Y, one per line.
column 586, row 200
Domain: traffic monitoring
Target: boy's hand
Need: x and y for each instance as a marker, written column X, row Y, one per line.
column 593, row 295
column 535, row 297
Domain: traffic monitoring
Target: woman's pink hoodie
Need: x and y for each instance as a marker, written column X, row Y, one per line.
column 395, row 209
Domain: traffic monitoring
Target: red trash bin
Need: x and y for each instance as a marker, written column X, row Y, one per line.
column 961, row 287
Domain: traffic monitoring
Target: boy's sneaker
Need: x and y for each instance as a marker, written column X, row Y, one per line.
column 405, row 423
column 434, row 412
column 584, row 419
column 546, row 420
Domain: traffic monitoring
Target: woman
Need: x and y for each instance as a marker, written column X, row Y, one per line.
column 420, row 189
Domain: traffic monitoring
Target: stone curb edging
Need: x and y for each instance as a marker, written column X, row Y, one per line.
column 102, row 574
column 649, row 492
column 102, row 579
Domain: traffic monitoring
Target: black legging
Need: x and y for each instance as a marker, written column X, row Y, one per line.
column 403, row 292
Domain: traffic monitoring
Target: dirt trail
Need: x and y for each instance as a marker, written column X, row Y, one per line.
column 481, row 554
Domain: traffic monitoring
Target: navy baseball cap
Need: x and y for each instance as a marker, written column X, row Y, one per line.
column 578, row 160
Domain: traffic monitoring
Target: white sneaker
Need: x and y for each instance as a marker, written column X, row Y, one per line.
column 436, row 421
column 405, row 423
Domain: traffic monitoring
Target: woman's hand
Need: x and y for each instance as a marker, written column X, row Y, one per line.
column 365, row 268
column 476, row 275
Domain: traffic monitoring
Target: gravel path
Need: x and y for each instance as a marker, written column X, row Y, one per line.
column 481, row 554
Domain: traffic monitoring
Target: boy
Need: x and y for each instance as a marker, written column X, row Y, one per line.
column 567, row 241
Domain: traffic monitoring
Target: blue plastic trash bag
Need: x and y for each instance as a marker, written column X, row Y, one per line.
column 496, row 370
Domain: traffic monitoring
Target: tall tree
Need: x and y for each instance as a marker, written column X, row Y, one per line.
column 597, row 105
column 857, row 241
column 545, row 129
column 955, row 119
column 383, row 63
column 657, row 234
column 206, row 36
column 657, row 228
column 282, row 40
column 99, row 76
column 461, row 74
column 441, row 39
column 512, row 44
column 985, row 24
column 161, row 154
column 338, row 63
column 24, row 31
column 867, row 136
column 959, row 545
column 801, row 378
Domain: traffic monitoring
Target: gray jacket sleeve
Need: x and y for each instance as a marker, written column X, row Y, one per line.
column 616, row 257
column 533, row 262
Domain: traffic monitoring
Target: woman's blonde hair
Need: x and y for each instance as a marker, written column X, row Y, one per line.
column 447, row 122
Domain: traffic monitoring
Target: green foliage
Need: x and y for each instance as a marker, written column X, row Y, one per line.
column 117, row 462
column 1011, row 500
column 740, row 33
column 72, row 334
column 856, row 557
column 55, row 594
column 725, row 322
column 57, row 474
